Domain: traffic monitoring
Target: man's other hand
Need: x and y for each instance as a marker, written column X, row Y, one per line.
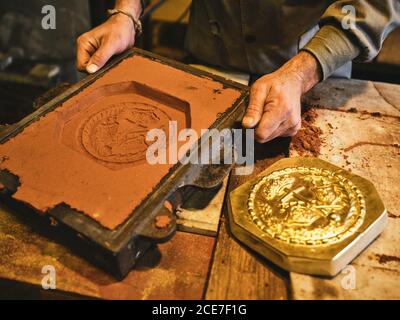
column 274, row 109
column 96, row 47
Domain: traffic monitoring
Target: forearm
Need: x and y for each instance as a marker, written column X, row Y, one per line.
column 304, row 68
column 134, row 7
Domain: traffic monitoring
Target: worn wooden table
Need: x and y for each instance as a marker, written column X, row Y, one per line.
column 360, row 123
column 361, row 132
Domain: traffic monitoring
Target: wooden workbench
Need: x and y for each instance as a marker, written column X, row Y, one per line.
column 360, row 124
column 361, row 131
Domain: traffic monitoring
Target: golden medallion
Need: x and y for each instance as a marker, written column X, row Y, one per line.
column 307, row 215
column 306, row 206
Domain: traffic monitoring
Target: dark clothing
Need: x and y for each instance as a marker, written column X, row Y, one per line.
column 258, row 36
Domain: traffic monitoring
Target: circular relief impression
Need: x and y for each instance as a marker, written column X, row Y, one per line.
column 306, row 206
column 117, row 134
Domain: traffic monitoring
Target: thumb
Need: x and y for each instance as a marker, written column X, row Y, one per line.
column 258, row 95
column 101, row 56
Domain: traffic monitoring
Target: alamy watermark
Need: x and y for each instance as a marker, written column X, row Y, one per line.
column 49, row 278
column 349, row 20
column 349, row 280
column 226, row 146
column 49, row 18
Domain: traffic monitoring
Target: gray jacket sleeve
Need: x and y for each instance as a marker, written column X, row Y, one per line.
column 335, row 45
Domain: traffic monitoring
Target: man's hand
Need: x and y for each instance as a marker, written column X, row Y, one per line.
column 275, row 106
column 96, row 47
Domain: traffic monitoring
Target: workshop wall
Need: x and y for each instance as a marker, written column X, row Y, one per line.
column 21, row 28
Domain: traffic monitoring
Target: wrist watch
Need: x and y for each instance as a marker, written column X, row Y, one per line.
column 137, row 25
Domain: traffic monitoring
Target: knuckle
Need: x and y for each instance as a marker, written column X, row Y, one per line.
column 278, row 87
column 261, row 135
column 294, row 128
column 81, row 39
column 257, row 87
column 292, row 123
column 273, row 104
column 298, row 125
column 97, row 58
column 252, row 109
column 292, row 132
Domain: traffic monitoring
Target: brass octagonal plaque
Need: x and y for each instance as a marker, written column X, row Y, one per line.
column 307, row 215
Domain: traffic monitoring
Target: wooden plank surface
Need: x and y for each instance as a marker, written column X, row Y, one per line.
column 177, row 269
column 361, row 133
column 238, row 272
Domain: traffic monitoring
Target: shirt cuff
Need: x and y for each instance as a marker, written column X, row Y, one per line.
column 332, row 48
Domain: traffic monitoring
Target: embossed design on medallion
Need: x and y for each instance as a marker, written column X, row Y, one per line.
column 306, row 206
column 117, row 134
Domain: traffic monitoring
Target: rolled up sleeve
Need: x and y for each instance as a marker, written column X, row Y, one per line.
column 334, row 45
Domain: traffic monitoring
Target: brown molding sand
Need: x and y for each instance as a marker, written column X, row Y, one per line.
column 89, row 152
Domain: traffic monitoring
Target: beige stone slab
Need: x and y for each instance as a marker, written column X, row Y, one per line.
column 370, row 147
column 368, row 96
column 380, row 284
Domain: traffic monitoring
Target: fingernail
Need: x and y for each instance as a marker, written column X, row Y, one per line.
column 248, row 121
column 92, row 68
